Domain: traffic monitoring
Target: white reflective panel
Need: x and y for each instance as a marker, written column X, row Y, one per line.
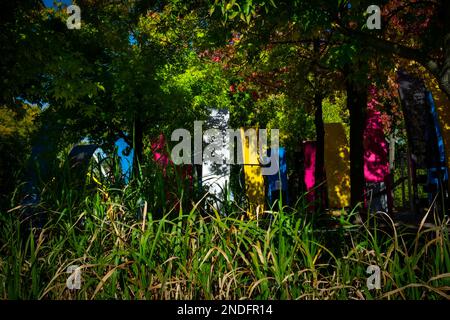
column 99, row 157
column 216, row 154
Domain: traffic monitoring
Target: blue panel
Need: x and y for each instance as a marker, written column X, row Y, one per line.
column 278, row 182
column 439, row 172
column 125, row 154
column 43, row 153
column 39, row 166
column 434, row 116
column 80, row 155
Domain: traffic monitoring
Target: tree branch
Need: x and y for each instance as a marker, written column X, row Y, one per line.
column 396, row 49
column 404, row 6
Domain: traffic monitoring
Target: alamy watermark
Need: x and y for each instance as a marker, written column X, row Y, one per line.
column 74, row 19
column 74, row 280
column 374, row 20
column 231, row 140
column 374, row 280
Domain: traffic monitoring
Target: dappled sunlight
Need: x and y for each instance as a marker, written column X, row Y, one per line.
column 376, row 164
column 224, row 150
column 337, row 165
column 254, row 181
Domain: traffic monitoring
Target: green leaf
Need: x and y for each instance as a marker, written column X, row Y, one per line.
column 247, row 18
column 99, row 86
column 247, row 7
column 233, row 15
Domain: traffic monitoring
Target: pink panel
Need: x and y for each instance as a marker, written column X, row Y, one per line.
column 376, row 163
column 161, row 157
column 309, row 149
column 159, row 152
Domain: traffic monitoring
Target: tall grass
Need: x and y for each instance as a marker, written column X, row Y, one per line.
column 129, row 247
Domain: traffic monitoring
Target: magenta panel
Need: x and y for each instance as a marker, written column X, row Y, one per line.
column 160, row 155
column 376, row 163
column 309, row 149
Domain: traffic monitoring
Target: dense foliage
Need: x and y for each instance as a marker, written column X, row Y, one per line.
column 138, row 69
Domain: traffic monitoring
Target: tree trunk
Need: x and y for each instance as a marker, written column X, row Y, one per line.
column 320, row 137
column 138, row 144
column 356, row 104
column 444, row 79
column 320, row 144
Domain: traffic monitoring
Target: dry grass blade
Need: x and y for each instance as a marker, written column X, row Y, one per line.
column 109, row 274
column 416, row 285
column 144, row 218
column 257, row 283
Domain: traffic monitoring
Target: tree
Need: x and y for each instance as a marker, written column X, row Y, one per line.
column 417, row 30
column 16, row 129
column 308, row 27
column 131, row 69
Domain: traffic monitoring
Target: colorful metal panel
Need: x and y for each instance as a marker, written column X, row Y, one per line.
column 216, row 176
column 442, row 107
column 278, row 182
column 337, row 165
column 419, row 124
column 376, row 162
column 254, row 180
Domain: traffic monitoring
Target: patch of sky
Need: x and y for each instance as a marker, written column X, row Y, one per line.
column 54, row 3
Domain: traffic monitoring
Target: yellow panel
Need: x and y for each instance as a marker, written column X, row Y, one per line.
column 337, row 165
column 254, row 181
